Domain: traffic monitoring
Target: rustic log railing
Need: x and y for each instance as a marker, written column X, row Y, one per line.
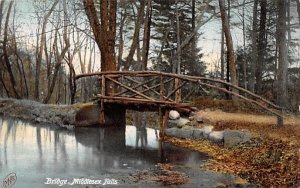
column 163, row 90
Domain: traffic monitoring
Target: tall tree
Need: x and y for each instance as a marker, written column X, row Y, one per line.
column 229, row 43
column 261, row 46
column 146, row 37
column 298, row 9
column 40, row 49
column 104, row 30
column 6, row 55
column 282, row 53
column 136, row 34
column 253, row 47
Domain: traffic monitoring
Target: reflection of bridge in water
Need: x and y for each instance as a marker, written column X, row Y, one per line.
column 162, row 92
column 85, row 152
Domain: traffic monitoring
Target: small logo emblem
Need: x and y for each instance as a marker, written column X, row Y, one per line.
column 9, row 180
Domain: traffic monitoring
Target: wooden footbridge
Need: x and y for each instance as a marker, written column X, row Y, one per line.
column 159, row 91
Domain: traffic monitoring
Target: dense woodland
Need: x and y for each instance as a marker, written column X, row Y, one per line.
column 65, row 38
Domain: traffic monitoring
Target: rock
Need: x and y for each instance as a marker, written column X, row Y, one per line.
column 180, row 133
column 198, row 134
column 87, row 115
column 173, row 114
column 216, row 136
column 192, row 113
column 172, row 123
column 56, row 120
column 234, row 137
column 199, row 119
column 185, row 133
column 207, row 130
column 182, row 121
column 178, row 122
column 193, row 123
column 38, row 120
column 239, row 182
column 171, row 131
column 195, row 108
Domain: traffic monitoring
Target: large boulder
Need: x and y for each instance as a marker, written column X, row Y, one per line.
column 88, row 115
column 178, row 122
column 198, row 134
column 216, row 136
column 180, row 133
column 185, row 133
column 173, row 114
column 182, row 122
column 207, row 130
column 233, row 138
column 172, row 131
column 199, row 119
column 172, row 123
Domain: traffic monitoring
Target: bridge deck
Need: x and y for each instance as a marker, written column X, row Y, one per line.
column 147, row 105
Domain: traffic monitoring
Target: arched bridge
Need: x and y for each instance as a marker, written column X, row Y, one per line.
column 159, row 91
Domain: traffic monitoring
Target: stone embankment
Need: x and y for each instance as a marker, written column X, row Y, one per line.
column 198, row 127
column 62, row 115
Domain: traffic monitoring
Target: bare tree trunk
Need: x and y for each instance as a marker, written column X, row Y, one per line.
column 1, row 14
column 289, row 40
column 135, row 39
column 121, row 41
column 282, row 56
column 298, row 9
column 5, row 53
column 58, row 56
column 261, row 46
column 41, row 49
column 146, row 37
column 254, row 47
column 222, row 54
column 229, row 43
column 2, row 86
column 178, row 50
column 105, row 32
column 244, row 48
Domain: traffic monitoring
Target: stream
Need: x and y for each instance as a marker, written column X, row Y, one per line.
column 48, row 156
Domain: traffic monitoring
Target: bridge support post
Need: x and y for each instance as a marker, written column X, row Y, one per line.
column 163, row 117
column 101, row 115
column 112, row 114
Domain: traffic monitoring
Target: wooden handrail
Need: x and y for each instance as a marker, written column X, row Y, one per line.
column 183, row 77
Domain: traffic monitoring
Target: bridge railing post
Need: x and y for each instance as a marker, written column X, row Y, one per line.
column 102, row 114
column 178, row 91
column 162, row 88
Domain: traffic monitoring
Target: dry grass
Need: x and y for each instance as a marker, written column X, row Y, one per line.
column 274, row 159
column 259, row 125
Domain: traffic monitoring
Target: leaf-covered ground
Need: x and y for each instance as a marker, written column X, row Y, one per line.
column 271, row 159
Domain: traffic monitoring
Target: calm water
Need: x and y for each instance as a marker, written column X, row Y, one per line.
column 36, row 153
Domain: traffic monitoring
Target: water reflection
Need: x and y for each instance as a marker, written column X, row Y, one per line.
column 38, row 152
column 139, row 121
